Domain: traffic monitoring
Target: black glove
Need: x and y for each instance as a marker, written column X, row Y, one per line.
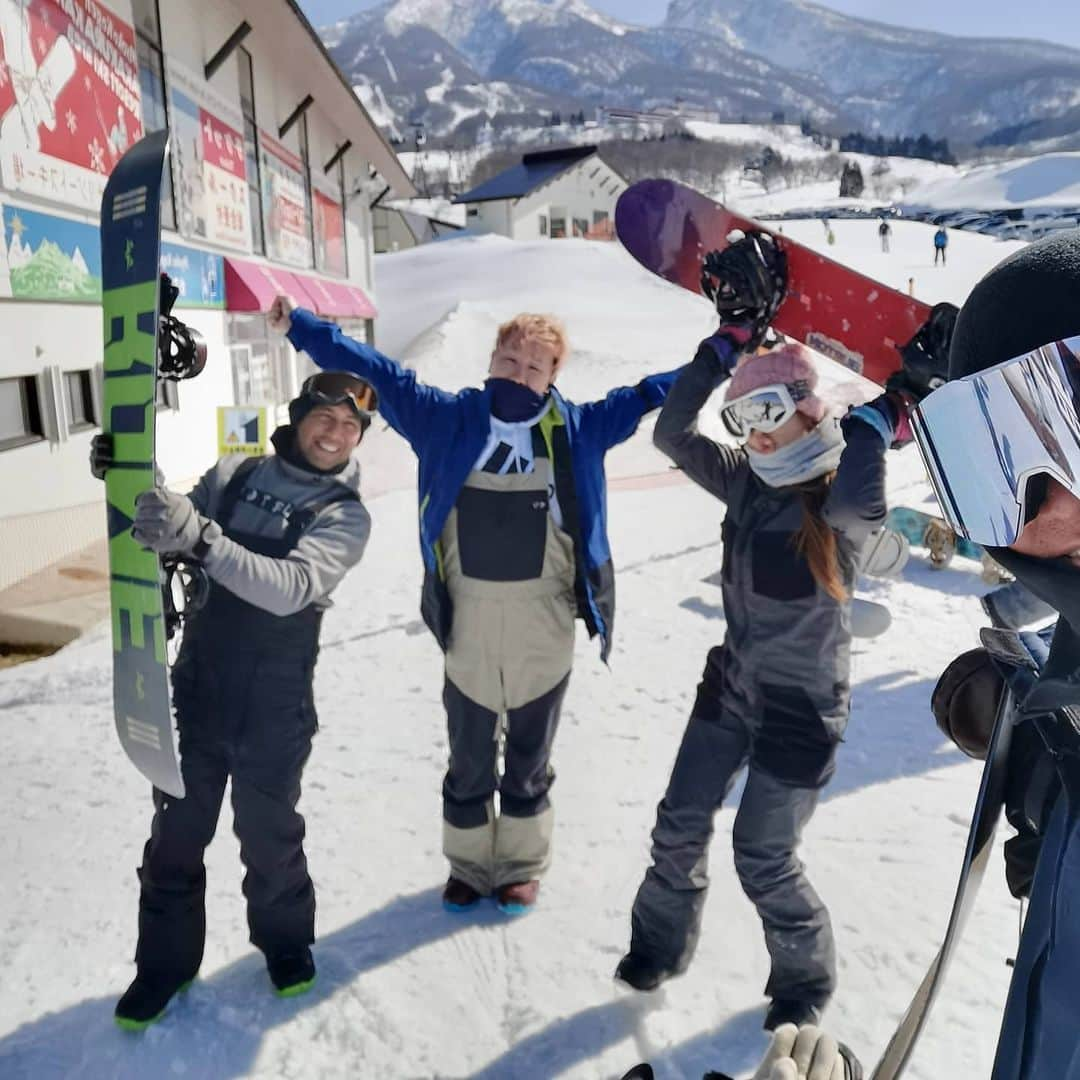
column 925, row 358
column 101, row 455
column 965, row 701
column 746, row 282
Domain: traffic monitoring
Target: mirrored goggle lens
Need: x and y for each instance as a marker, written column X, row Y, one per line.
column 764, row 411
column 339, row 387
column 990, row 440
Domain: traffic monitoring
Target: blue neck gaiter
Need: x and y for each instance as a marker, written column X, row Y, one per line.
column 513, row 402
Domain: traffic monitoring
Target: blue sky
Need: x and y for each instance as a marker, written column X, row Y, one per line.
column 1049, row 20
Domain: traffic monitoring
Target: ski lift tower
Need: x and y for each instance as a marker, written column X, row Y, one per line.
column 419, row 175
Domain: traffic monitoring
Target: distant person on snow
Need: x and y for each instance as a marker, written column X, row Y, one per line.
column 803, row 493
column 276, row 535
column 941, row 242
column 884, row 231
column 514, row 541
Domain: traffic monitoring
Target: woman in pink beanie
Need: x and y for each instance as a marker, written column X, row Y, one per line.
column 804, row 492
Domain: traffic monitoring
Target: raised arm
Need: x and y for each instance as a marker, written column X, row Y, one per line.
column 405, row 403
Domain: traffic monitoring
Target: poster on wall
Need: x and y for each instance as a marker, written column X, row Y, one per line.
column 199, row 275
column 51, row 258
column 288, row 238
column 329, row 231
column 208, row 153
column 242, row 430
column 69, row 97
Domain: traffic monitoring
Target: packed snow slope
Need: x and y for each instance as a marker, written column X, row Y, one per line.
column 407, row 990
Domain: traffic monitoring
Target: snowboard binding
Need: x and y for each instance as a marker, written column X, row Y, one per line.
column 181, row 350
column 186, row 580
column 746, row 281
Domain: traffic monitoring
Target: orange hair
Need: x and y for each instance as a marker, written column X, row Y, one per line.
column 545, row 329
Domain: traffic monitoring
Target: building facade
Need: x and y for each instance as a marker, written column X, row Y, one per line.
column 273, row 162
column 549, row 194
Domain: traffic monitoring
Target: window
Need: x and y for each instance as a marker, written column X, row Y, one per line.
column 251, row 150
column 20, row 412
column 305, row 157
column 263, row 365
column 543, row 225
column 152, row 90
column 79, row 399
column 598, row 216
column 558, row 228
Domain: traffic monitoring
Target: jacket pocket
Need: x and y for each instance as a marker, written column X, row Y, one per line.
column 777, row 569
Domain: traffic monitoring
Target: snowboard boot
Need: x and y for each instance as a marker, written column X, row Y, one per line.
column 792, row 1011
column 145, row 999
column 640, row 973
column 518, row 897
column 292, row 973
column 458, row 895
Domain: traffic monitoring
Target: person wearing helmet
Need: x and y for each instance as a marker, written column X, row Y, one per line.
column 1001, row 441
column 275, row 535
column 804, row 491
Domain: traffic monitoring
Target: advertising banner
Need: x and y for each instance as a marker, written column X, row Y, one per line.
column 329, row 231
column 288, row 238
column 208, row 152
column 51, row 258
column 69, row 98
column 199, row 275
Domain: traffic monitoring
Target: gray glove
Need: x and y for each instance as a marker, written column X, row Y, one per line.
column 806, row 1053
column 167, row 522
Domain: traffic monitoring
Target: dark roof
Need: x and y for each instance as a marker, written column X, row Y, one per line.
column 530, row 173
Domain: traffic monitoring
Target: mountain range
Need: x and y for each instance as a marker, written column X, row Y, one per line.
column 449, row 64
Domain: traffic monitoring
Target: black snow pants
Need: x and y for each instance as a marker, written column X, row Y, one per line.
column 242, row 692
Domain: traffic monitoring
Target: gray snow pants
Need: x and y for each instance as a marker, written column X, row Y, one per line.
column 666, row 918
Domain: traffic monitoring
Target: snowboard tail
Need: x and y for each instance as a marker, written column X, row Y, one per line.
column 668, row 228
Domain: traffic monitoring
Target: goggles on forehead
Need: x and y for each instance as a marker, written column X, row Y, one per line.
column 763, row 409
column 991, row 440
column 341, row 388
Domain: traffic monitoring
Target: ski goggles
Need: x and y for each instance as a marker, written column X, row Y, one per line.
column 341, row 388
column 991, row 440
column 763, row 409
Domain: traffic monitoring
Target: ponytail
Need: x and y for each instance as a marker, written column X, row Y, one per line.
column 816, row 541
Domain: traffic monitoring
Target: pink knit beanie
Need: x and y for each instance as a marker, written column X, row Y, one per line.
column 791, row 364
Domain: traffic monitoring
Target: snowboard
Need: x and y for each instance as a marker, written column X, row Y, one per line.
column 130, row 241
column 852, row 319
column 933, row 533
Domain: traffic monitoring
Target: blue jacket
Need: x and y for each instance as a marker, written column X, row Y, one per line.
column 447, row 432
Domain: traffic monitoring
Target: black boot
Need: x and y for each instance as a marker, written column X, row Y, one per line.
column 291, row 973
column 640, row 973
column 793, row 1011
column 145, row 999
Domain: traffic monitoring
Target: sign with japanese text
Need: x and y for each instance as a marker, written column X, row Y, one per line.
column 329, row 232
column 208, row 152
column 241, row 430
column 288, row 238
column 199, row 275
column 69, row 97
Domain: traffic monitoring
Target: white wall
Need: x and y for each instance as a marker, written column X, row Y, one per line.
column 589, row 186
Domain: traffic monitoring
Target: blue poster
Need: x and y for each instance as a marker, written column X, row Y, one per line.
column 51, row 258
column 199, row 275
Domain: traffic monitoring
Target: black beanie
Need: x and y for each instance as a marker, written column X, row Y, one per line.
column 1028, row 300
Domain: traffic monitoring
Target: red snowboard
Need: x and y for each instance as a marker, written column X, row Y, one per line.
column 850, row 318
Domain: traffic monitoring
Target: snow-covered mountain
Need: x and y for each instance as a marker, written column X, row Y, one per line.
column 443, row 62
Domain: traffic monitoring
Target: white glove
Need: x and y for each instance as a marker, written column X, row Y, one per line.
column 805, row 1053
column 279, row 316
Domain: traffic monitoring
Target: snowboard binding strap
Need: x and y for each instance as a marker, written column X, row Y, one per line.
column 188, row 577
column 181, row 350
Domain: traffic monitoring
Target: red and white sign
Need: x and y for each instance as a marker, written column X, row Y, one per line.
column 329, row 234
column 208, row 152
column 288, row 238
column 69, row 97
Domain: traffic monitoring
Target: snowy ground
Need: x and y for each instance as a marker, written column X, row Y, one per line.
column 407, row 990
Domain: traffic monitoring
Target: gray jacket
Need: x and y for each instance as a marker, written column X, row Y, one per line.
column 275, row 489
column 787, row 646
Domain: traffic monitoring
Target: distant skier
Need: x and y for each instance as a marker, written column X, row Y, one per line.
column 1014, row 368
column 941, row 242
column 884, row 231
column 514, row 541
column 276, row 536
column 803, row 494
